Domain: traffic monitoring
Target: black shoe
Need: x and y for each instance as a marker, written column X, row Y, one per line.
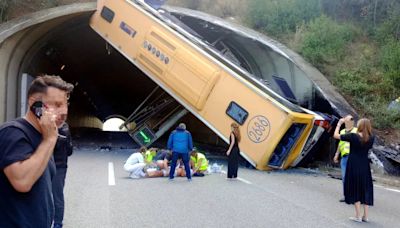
column 198, row 174
column 342, row 200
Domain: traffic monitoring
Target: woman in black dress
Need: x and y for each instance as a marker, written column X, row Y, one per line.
column 358, row 188
column 233, row 151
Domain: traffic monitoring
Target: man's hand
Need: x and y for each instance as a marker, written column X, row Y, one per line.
column 336, row 159
column 48, row 125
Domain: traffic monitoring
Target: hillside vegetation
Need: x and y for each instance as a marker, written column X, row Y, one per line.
column 355, row 43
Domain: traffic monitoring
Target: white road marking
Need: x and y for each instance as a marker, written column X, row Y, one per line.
column 389, row 189
column 111, row 176
column 393, row 190
column 239, row 178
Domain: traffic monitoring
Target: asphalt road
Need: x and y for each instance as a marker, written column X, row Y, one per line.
column 99, row 194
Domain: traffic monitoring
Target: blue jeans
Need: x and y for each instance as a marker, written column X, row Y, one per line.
column 185, row 158
column 343, row 165
column 58, row 195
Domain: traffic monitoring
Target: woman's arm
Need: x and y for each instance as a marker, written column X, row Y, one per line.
column 231, row 145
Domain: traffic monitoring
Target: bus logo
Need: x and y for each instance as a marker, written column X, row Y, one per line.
column 258, row 129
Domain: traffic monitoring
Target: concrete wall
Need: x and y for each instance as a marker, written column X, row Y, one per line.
column 20, row 37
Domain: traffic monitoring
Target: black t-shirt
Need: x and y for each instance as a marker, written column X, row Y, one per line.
column 18, row 141
column 63, row 148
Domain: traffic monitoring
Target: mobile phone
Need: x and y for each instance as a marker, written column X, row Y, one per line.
column 37, row 109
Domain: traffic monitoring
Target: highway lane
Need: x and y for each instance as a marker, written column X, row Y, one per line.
column 294, row 198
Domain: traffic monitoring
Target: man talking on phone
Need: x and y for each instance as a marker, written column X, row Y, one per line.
column 26, row 161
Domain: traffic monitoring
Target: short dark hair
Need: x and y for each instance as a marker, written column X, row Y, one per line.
column 42, row 82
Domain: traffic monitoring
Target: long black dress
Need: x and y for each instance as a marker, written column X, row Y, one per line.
column 233, row 158
column 358, row 180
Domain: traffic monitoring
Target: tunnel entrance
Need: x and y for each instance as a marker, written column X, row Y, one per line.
column 107, row 87
column 113, row 125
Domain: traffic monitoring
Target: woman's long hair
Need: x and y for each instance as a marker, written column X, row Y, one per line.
column 364, row 126
column 236, row 131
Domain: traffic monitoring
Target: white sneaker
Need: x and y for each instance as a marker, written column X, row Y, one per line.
column 355, row 219
column 133, row 176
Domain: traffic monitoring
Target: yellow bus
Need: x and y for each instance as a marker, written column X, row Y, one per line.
column 274, row 130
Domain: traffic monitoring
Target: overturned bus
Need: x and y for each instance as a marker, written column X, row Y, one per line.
column 203, row 67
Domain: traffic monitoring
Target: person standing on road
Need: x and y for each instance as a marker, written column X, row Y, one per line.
column 233, row 151
column 180, row 143
column 344, row 148
column 26, row 155
column 358, row 187
column 62, row 151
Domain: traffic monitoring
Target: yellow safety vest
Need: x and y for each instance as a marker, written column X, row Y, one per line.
column 204, row 163
column 149, row 154
column 344, row 147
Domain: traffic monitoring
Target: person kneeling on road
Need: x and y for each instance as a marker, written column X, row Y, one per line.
column 199, row 163
column 135, row 164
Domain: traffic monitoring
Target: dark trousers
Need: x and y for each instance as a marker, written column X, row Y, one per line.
column 58, row 195
column 185, row 159
column 233, row 163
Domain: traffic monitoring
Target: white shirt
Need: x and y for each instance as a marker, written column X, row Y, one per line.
column 135, row 158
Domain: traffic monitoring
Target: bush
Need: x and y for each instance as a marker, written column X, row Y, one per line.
column 324, row 40
column 370, row 96
column 278, row 17
column 224, row 8
column 377, row 110
column 190, row 4
column 4, row 4
column 352, row 83
column 390, row 60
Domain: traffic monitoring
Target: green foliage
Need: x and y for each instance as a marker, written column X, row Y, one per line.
column 390, row 28
column 390, row 60
column 51, row 3
column 324, row 40
column 369, row 96
column 4, row 4
column 277, row 17
column 377, row 109
column 190, row 4
column 219, row 8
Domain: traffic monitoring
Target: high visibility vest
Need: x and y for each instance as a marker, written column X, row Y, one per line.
column 344, row 147
column 204, row 163
column 149, row 154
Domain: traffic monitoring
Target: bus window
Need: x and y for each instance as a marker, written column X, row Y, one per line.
column 285, row 145
column 237, row 113
column 285, row 88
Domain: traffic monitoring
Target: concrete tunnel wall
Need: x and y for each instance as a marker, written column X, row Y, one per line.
column 21, row 39
column 17, row 40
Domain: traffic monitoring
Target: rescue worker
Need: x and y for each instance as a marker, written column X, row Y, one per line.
column 149, row 155
column 199, row 163
column 180, row 143
column 135, row 164
column 344, row 147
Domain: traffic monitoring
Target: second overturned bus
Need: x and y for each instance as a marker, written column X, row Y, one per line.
column 276, row 133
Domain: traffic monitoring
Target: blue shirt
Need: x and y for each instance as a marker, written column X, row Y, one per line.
column 34, row 208
column 180, row 141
